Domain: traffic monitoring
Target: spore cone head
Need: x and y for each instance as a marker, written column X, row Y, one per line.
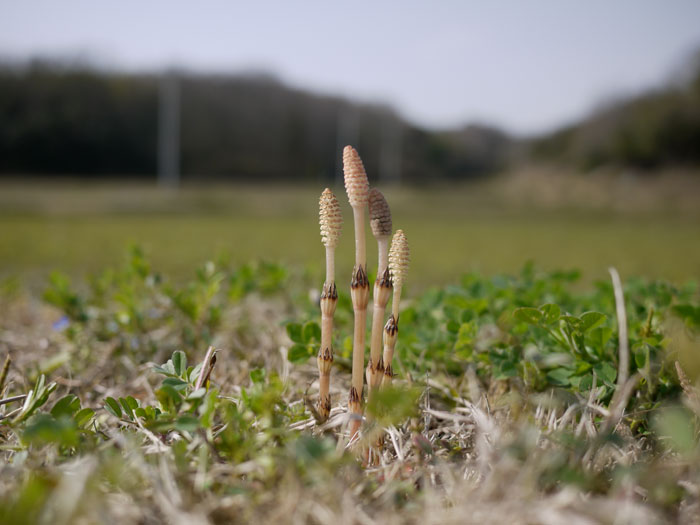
column 356, row 183
column 379, row 214
column 399, row 257
column 329, row 218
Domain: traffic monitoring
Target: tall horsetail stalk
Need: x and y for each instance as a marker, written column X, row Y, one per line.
column 399, row 257
column 380, row 223
column 331, row 223
column 357, row 187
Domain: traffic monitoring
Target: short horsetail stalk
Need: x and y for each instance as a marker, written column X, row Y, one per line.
column 331, row 222
column 399, row 257
column 380, row 223
column 357, row 187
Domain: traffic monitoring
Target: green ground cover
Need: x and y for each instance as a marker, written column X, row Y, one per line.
column 511, row 401
column 507, row 407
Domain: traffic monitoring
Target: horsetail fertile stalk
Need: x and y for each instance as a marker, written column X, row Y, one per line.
column 357, row 188
column 380, row 223
column 331, row 222
column 399, row 257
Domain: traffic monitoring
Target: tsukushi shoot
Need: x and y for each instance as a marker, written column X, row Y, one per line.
column 331, row 222
column 357, row 188
column 380, row 222
column 399, row 257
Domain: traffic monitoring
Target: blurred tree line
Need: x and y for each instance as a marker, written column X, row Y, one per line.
column 57, row 120
column 654, row 130
column 77, row 121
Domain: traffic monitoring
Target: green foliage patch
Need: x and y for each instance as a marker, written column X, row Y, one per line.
column 506, row 395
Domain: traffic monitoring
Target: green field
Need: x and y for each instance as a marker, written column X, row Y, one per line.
column 83, row 229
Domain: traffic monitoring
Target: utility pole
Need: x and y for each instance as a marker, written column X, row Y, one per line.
column 169, row 131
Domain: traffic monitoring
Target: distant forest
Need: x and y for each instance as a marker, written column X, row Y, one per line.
column 80, row 122
column 654, row 130
column 67, row 121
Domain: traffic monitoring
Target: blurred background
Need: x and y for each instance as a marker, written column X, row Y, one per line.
column 567, row 134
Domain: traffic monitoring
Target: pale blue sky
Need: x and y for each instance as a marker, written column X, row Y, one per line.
column 527, row 66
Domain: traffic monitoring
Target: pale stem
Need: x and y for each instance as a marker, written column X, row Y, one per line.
column 382, row 247
column 330, row 264
column 354, row 427
column 388, row 354
column 327, row 324
column 358, row 353
column 377, row 331
column 326, row 331
column 395, row 302
column 360, row 251
column 324, row 382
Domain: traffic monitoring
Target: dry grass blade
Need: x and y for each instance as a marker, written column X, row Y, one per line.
column 624, row 367
column 207, row 367
column 12, row 399
column 3, row 373
column 690, row 391
column 10, row 414
column 625, row 384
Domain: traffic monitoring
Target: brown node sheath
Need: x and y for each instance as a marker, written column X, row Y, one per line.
column 391, row 331
column 325, row 360
column 388, row 376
